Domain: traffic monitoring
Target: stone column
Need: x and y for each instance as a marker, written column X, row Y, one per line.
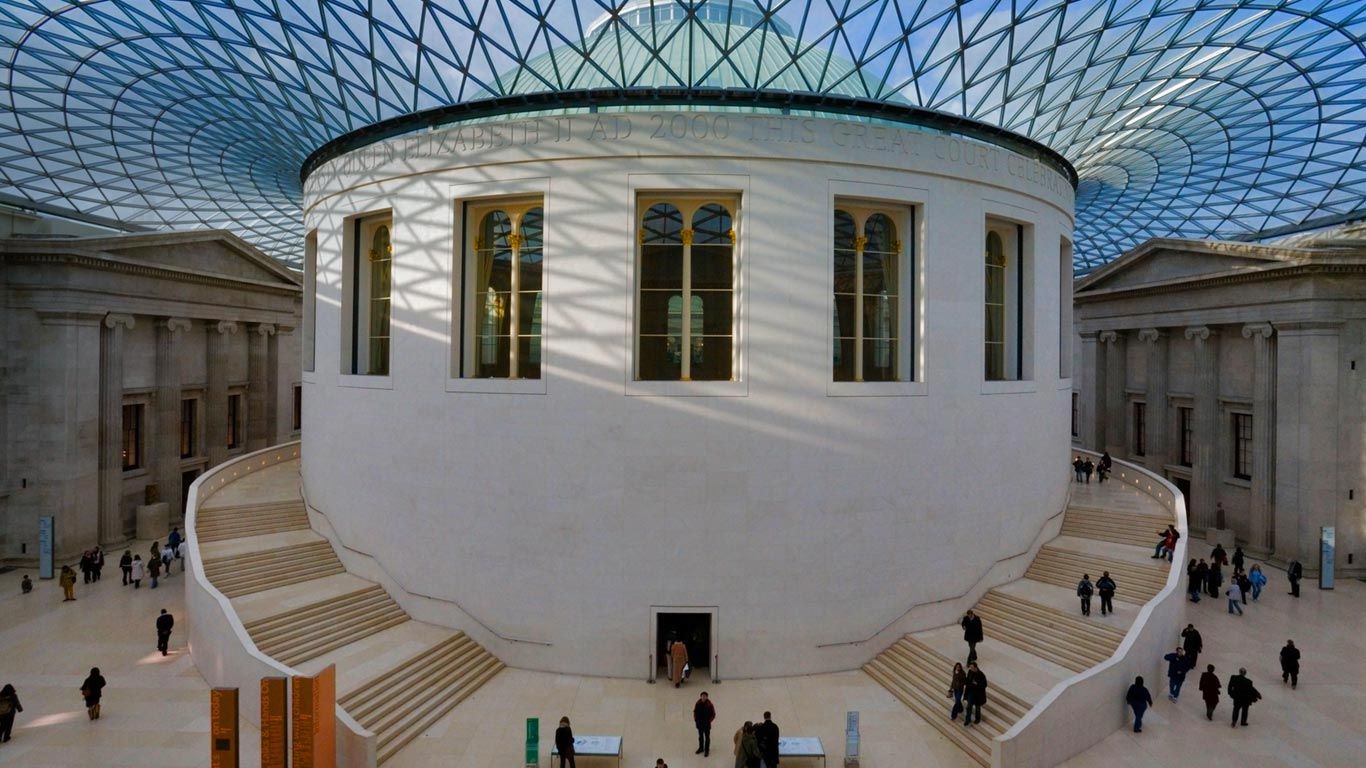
column 1205, row 430
column 1092, row 428
column 1116, row 365
column 1156, row 397
column 216, row 389
column 1308, row 414
column 260, row 396
column 111, row 528
column 1263, row 510
column 165, row 424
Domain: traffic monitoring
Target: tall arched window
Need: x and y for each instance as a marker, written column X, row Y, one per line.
column 869, row 317
column 365, row 344
column 995, row 304
column 505, row 271
column 685, row 325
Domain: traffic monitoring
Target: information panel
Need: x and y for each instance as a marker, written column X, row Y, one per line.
column 274, row 723
column 533, row 741
column 1327, row 546
column 313, row 712
column 45, row 531
column 223, row 728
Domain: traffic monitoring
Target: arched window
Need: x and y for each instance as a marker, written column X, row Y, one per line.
column 506, row 271
column 366, row 344
column 868, row 314
column 686, row 300
column 995, row 307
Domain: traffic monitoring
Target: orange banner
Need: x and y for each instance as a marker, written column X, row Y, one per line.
column 274, row 723
column 314, row 719
column 223, row 728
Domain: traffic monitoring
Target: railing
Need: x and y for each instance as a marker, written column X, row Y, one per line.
column 1079, row 712
column 220, row 646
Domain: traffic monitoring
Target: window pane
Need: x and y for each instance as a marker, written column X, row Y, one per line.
column 716, row 310
column 995, row 362
column 879, row 360
column 995, row 319
column 530, row 266
column 844, row 314
column 663, row 223
column 529, row 309
column 712, row 267
column 880, row 233
column 879, row 317
column 533, row 229
column 844, row 359
column 529, row 357
column 996, row 285
column 879, row 272
column 379, row 357
column 660, row 359
column 713, row 362
column 711, row 225
column 498, row 274
column 492, row 358
column 996, row 252
column 655, row 313
column 661, row 266
column 491, row 314
column 844, row 231
column 494, row 229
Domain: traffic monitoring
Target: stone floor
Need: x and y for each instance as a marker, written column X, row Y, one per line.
column 156, row 709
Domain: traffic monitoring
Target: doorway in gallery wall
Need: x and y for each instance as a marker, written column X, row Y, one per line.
column 1183, row 484
column 695, row 627
column 187, row 479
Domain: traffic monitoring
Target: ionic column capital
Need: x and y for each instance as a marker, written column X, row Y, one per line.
column 174, row 324
column 1149, row 335
column 225, row 326
column 1108, row 337
column 1200, row 333
column 113, row 320
column 1258, row 329
column 264, row 329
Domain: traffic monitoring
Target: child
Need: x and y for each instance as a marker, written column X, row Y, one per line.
column 26, row 585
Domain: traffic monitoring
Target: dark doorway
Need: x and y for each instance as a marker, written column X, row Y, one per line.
column 186, row 479
column 1184, row 486
column 694, row 629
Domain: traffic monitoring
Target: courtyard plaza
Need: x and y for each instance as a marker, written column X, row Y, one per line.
column 156, row 708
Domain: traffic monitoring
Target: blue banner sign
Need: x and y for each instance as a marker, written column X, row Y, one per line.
column 45, row 531
column 1327, row 543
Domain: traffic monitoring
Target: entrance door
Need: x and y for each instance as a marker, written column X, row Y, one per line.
column 693, row 629
column 186, row 479
column 1184, row 486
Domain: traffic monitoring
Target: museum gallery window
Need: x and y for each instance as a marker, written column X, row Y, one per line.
column 871, row 292
column 372, row 261
column 234, row 421
column 189, row 427
column 132, row 436
column 685, row 304
column 1140, row 429
column 1186, row 426
column 1005, row 325
column 504, row 289
column 1242, row 446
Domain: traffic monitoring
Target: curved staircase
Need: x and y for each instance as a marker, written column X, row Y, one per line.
column 1035, row 633
column 395, row 676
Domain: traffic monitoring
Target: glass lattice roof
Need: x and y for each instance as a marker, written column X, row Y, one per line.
column 1188, row 118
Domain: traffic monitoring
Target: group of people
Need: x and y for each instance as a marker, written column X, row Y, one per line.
column 1105, row 585
column 1208, row 578
column 968, row 685
column 134, row 568
column 1082, row 469
column 756, row 744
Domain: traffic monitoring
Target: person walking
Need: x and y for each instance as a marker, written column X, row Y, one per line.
column 1257, row 579
column 766, row 734
column 1290, row 664
column 1192, row 643
column 1087, row 468
column 68, row 582
column 91, row 690
column 678, row 659
column 1219, row 555
column 564, row 743
column 99, row 562
column 1209, row 691
column 1077, row 468
column 1139, row 700
column 748, row 755
column 154, row 568
column 1238, row 558
column 972, row 633
column 173, row 542
column 1199, row 580
column 1177, row 667
column 164, row 623
column 1084, row 590
column 26, row 584
column 126, row 565
column 975, row 692
column 87, row 566
column 1235, row 594
column 958, row 682
column 1214, row 579
column 1294, row 571
column 9, row 707
column 1190, row 581
column 138, row 571
column 1243, row 694
column 1106, row 587
column 1244, row 585
column 703, row 713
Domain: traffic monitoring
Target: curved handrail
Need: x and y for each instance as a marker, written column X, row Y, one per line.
column 336, row 536
column 1034, row 544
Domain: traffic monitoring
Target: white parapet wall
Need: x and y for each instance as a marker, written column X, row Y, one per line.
column 219, row 644
column 1083, row 710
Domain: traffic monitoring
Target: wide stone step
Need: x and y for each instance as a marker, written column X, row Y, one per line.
column 1053, row 618
column 243, row 575
column 1117, row 534
column 257, row 529
column 346, row 630
column 284, row 635
column 226, row 521
column 431, row 705
column 1002, row 702
column 216, row 509
column 1070, row 649
column 390, row 697
column 1067, row 576
column 264, row 627
column 249, row 560
column 931, row 709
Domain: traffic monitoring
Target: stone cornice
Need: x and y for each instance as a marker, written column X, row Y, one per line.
column 72, row 257
column 65, row 317
column 1220, row 279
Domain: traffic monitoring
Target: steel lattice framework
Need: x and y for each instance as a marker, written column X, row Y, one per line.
column 1188, row 118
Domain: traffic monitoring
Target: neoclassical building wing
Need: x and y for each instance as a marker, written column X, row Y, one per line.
column 1183, row 118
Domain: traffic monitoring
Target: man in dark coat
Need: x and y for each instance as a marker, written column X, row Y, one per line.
column 1296, row 572
column 1084, row 590
column 767, row 735
column 1209, row 691
column 1244, row 695
column 1106, row 587
column 1177, row 667
column 1215, row 579
column 975, row 694
column 1192, row 643
column 1139, row 699
column 164, row 623
column 703, row 713
column 972, row 633
column 1290, row 664
column 1199, row 580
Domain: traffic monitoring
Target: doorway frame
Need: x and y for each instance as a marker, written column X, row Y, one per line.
column 710, row 610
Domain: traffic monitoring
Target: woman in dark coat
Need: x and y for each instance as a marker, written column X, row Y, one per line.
column 564, row 743
column 972, row 633
column 957, row 684
column 1209, row 691
column 9, row 707
column 975, row 692
column 1139, row 700
column 91, row 690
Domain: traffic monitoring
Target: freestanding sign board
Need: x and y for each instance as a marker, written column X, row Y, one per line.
column 1327, row 543
column 533, row 741
column 45, row 531
column 313, row 711
column 223, row 728
column 851, row 739
column 274, row 723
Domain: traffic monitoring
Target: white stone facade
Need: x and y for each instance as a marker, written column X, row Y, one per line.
column 156, row 330
column 806, row 515
column 1266, row 339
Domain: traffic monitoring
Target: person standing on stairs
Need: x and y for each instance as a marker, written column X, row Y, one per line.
column 1244, row 695
column 972, row 633
column 975, row 692
column 564, row 743
column 703, row 713
column 1192, row 643
column 1084, row 590
column 1209, row 691
column 1139, row 700
column 1177, row 667
column 1087, row 468
column 1290, row 664
column 958, row 682
column 1106, row 587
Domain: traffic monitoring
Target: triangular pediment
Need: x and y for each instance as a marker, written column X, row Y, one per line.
column 1174, row 261
column 203, row 252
